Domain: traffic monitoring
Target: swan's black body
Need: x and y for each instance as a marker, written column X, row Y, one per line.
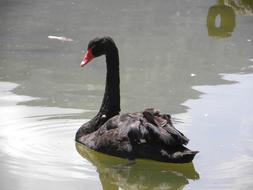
column 147, row 134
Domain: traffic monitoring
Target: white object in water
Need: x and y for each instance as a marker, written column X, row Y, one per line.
column 61, row 38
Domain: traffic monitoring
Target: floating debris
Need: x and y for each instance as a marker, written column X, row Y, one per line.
column 251, row 60
column 193, row 74
column 61, row 38
column 249, row 40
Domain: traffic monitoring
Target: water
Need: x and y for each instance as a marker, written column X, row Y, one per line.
column 192, row 59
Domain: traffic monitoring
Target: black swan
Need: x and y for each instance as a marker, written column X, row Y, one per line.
column 145, row 135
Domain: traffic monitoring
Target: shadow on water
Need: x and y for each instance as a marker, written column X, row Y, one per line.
column 221, row 18
column 114, row 173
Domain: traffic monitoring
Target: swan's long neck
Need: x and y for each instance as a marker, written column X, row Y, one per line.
column 111, row 101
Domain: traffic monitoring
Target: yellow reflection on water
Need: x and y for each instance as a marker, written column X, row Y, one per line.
column 116, row 173
column 241, row 7
column 221, row 18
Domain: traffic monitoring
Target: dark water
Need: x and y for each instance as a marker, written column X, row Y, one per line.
column 192, row 59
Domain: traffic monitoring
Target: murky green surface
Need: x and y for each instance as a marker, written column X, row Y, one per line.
column 191, row 58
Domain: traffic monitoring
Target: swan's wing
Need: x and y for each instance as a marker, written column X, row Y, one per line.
column 167, row 135
column 113, row 136
column 176, row 134
column 156, row 128
column 120, row 133
column 129, row 134
column 160, row 127
column 150, row 133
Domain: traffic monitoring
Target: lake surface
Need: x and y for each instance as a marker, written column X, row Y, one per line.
column 192, row 59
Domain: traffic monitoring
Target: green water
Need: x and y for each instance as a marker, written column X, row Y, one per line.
column 192, row 59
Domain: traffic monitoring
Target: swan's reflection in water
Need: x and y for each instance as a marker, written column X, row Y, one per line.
column 114, row 173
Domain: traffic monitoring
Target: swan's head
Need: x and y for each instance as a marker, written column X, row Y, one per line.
column 98, row 47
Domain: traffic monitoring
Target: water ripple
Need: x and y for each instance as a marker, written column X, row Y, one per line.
column 43, row 149
column 35, row 144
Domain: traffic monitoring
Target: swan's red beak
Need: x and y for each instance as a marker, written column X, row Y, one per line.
column 87, row 57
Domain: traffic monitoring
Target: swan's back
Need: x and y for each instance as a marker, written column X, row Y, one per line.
column 146, row 134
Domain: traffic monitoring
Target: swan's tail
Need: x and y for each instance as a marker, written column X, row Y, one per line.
column 184, row 157
column 163, row 153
